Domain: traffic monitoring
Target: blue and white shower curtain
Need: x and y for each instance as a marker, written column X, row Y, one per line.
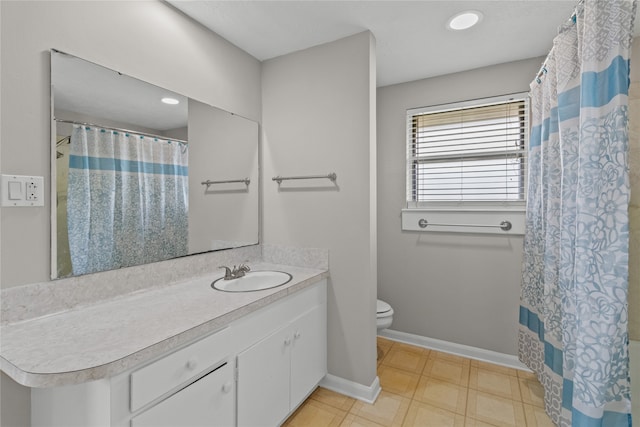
column 127, row 199
column 573, row 313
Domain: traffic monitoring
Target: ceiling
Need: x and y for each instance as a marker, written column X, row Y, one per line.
column 87, row 89
column 412, row 39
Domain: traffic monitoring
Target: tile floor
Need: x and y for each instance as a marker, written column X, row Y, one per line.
column 426, row 388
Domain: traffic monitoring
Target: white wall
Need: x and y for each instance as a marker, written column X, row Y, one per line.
column 148, row 40
column 459, row 288
column 318, row 117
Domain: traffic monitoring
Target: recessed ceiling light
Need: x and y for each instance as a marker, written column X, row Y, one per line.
column 464, row 20
column 170, row 101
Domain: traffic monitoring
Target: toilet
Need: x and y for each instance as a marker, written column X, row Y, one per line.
column 384, row 315
column 383, row 321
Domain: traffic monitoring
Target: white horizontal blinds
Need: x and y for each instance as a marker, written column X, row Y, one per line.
column 468, row 154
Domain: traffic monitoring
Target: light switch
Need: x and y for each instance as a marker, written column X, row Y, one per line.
column 15, row 190
column 19, row 190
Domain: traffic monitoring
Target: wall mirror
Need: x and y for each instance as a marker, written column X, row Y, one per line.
column 137, row 180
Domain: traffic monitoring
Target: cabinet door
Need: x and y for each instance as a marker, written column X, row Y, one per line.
column 263, row 381
column 207, row 402
column 309, row 352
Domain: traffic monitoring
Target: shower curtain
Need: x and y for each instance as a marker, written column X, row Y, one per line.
column 573, row 312
column 127, row 199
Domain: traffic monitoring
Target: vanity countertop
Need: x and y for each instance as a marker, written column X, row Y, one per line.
column 107, row 338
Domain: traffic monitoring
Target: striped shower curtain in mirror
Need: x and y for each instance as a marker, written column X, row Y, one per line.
column 573, row 313
column 127, row 199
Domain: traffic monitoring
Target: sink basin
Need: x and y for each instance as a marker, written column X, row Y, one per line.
column 253, row 281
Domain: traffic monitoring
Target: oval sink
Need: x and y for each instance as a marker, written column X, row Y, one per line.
column 253, row 281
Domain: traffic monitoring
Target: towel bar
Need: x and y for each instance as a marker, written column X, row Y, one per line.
column 332, row 176
column 504, row 225
column 208, row 183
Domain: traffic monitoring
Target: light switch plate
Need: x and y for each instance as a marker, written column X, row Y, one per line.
column 22, row 190
column 16, row 190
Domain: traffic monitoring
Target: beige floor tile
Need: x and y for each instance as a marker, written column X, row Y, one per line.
column 411, row 348
column 398, row 381
column 316, row 414
column 493, row 367
column 408, row 358
column 423, row 415
column 537, row 417
column 532, row 392
column 331, row 398
column 450, row 357
column 470, row 422
column 451, row 370
column 384, row 342
column 442, row 394
column 494, row 410
column 355, row 421
column 527, row 375
column 495, row 383
column 383, row 346
column 388, row 410
column 430, row 388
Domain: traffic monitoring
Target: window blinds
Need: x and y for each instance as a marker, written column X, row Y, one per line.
column 475, row 153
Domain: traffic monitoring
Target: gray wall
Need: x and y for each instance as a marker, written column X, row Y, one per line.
column 319, row 117
column 145, row 39
column 459, row 288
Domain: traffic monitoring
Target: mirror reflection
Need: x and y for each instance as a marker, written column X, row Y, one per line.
column 141, row 180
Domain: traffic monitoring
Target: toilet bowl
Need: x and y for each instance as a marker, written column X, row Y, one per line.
column 384, row 315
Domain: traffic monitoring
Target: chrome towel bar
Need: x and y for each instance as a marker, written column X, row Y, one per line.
column 246, row 181
column 504, row 225
column 332, row 176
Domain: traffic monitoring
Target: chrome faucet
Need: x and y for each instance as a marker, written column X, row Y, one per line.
column 237, row 272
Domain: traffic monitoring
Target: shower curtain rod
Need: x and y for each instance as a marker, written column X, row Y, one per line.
column 121, row 130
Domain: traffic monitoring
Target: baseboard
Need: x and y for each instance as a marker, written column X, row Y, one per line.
column 352, row 389
column 494, row 357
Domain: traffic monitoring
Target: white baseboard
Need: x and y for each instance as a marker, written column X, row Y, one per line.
column 352, row 389
column 481, row 354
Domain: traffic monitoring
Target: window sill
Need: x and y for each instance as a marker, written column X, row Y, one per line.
column 467, row 219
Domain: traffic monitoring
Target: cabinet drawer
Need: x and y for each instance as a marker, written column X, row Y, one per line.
column 207, row 402
column 161, row 376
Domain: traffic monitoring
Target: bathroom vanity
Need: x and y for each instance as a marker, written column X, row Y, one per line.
column 178, row 355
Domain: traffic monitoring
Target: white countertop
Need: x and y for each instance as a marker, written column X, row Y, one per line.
column 107, row 338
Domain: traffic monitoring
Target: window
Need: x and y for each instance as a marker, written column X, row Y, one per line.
column 469, row 152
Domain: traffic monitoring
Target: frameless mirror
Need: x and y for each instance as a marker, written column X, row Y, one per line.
column 139, row 180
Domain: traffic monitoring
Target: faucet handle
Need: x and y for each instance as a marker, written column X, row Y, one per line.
column 227, row 272
column 240, row 270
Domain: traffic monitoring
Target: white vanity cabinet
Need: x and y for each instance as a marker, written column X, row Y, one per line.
column 253, row 372
column 193, row 386
column 276, row 374
column 308, row 354
column 199, row 380
column 179, row 368
column 207, row 402
column 263, row 381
